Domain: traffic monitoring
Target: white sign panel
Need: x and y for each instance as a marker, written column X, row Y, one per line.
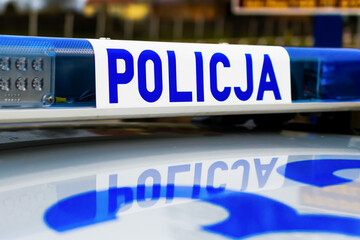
column 133, row 74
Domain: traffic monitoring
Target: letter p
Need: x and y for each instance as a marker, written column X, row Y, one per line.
column 119, row 76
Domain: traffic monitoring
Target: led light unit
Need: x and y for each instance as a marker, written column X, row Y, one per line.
column 21, row 84
column 37, row 64
column 5, row 84
column 37, row 84
column 5, row 64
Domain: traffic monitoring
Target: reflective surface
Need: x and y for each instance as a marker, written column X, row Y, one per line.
column 142, row 182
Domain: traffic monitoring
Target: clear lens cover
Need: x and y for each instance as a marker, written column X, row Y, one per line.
column 27, row 68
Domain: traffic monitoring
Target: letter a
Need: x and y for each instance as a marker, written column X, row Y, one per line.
column 270, row 85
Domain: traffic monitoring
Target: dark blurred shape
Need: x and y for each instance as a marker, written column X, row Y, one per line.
column 328, row 31
column 10, row 8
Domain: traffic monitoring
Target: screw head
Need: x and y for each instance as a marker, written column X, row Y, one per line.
column 48, row 99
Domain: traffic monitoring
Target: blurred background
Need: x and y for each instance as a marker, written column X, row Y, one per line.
column 323, row 23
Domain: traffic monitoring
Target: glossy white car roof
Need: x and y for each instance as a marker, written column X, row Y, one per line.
column 138, row 182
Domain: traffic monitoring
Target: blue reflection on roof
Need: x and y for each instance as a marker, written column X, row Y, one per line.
column 250, row 214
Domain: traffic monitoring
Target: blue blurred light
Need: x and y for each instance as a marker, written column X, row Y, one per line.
column 74, row 68
column 325, row 74
column 68, row 46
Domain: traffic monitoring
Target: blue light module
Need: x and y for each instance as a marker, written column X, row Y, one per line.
column 325, row 74
column 32, row 69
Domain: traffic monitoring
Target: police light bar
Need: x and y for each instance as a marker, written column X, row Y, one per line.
column 58, row 79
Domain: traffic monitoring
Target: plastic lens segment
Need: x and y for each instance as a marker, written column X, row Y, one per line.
column 325, row 74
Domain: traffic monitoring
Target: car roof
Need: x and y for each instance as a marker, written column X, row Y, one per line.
column 171, row 181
